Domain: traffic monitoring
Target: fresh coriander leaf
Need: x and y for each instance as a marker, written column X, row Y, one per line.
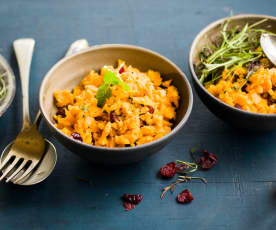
column 103, row 93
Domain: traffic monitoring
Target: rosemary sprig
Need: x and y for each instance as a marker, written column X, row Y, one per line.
column 181, row 179
column 193, row 166
column 188, row 178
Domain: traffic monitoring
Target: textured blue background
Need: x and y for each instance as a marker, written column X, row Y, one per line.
column 241, row 193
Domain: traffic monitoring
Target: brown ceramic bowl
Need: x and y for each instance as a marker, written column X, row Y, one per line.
column 236, row 117
column 68, row 73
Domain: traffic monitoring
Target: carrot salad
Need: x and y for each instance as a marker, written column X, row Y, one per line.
column 235, row 69
column 117, row 107
column 257, row 94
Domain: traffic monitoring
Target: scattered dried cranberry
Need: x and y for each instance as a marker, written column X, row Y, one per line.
column 76, row 136
column 185, row 197
column 132, row 198
column 61, row 112
column 151, row 109
column 169, row 170
column 208, row 160
column 121, row 70
column 113, row 117
column 128, row 206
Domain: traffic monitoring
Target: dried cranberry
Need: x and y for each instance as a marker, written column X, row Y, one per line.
column 61, row 112
column 99, row 118
column 169, row 170
column 113, row 117
column 76, row 136
column 185, row 197
column 238, row 106
column 132, row 198
column 128, row 206
column 172, row 164
column 208, row 160
column 151, row 109
column 121, row 70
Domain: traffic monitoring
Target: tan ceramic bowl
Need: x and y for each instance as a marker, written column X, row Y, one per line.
column 68, row 73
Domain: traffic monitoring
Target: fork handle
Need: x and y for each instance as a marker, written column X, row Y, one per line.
column 24, row 51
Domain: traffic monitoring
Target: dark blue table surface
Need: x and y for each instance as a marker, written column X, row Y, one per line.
column 241, row 193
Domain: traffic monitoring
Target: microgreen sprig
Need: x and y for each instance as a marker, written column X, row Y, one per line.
column 3, row 89
column 104, row 91
column 237, row 48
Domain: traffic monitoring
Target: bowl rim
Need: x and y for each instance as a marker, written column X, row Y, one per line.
column 118, row 149
column 10, row 95
column 191, row 61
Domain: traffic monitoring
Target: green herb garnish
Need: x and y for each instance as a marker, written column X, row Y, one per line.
column 104, row 92
column 237, row 47
column 3, row 90
column 85, row 108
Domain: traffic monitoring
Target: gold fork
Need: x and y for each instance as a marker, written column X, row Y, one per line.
column 29, row 145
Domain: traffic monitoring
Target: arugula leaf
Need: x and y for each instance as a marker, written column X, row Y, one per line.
column 104, row 91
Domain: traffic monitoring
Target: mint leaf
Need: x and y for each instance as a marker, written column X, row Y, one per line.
column 110, row 78
column 103, row 93
column 124, row 85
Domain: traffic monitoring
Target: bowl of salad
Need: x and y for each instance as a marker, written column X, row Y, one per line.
column 232, row 75
column 115, row 103
column 7, row 85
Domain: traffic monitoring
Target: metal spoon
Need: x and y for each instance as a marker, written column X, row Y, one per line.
column 48, row 161
column 268, row 44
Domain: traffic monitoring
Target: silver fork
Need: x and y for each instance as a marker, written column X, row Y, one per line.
column 29, row 145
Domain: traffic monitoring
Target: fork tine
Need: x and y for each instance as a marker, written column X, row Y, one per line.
column 17, row 170
column 9, row 168
column 28, row 170
column 6, row 160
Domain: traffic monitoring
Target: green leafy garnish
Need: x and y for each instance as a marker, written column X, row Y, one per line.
column 104, row 92
column 235, row 48
column 85, row 108
column 3, row 90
